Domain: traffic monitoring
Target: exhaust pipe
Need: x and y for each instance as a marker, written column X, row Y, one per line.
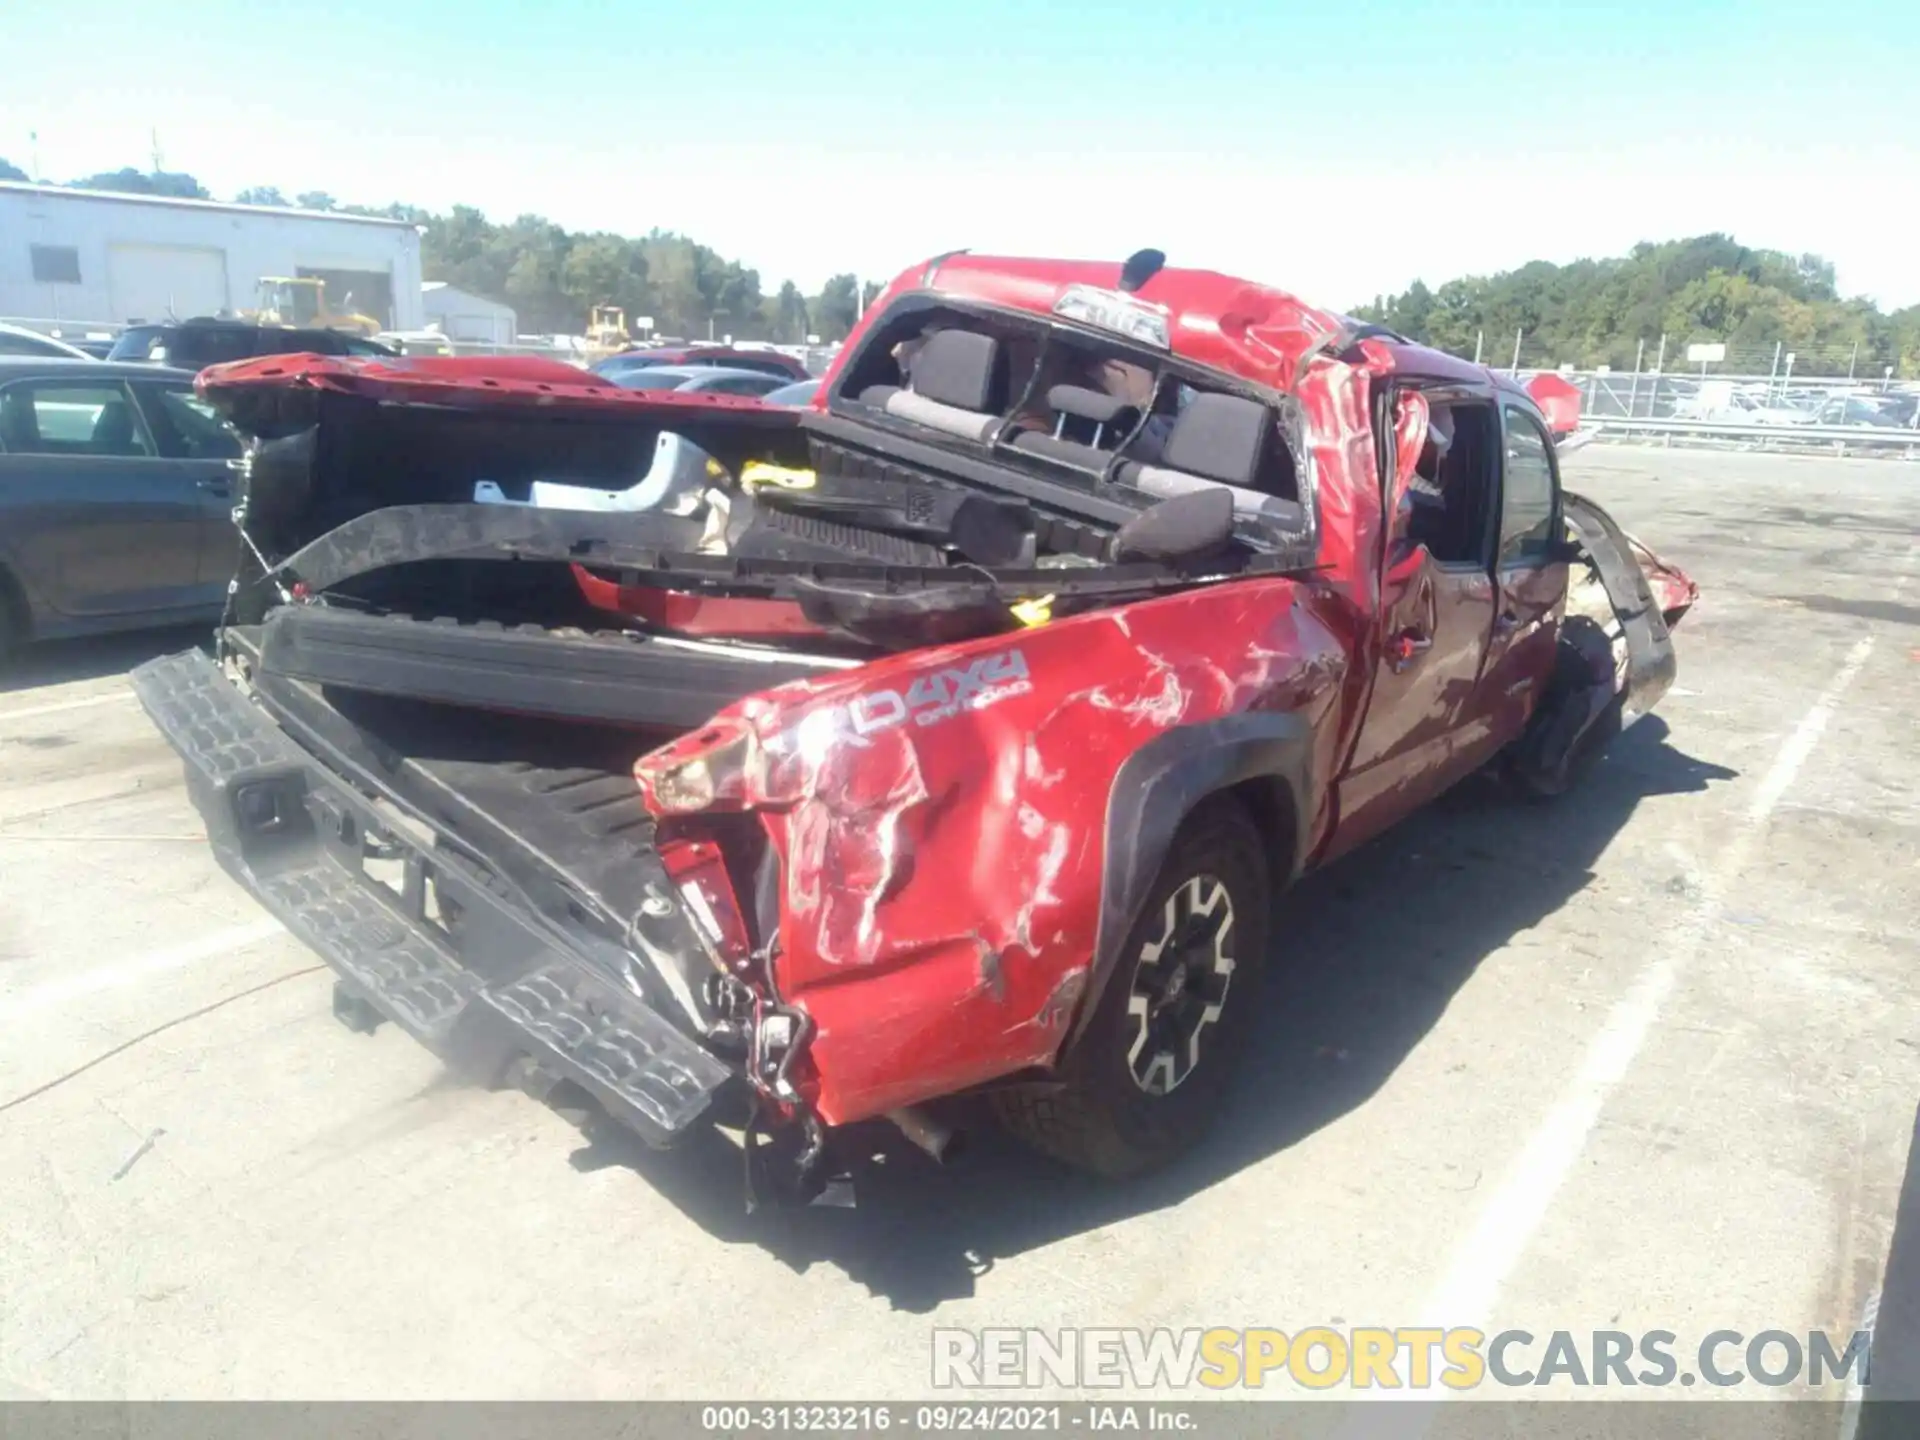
column 931, row 1134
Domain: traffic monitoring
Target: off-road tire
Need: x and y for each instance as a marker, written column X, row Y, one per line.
column 1095, row 1115
column 1521, row 767
column 1543, row 785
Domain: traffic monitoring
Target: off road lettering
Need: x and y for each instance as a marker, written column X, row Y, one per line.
column 877, row 710
column 927, row 690
column 929, row 699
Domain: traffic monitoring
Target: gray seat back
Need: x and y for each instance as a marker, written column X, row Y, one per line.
column 1219, row 441
column 957, row 384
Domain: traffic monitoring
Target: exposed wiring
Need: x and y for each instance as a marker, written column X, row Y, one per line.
column 268, row 571
column 146, row 1035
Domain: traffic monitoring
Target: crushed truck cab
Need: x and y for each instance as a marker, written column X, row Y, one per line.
column 954, row 735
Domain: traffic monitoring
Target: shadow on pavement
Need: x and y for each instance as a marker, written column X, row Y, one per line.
column 1374, row 948
column 61, row 662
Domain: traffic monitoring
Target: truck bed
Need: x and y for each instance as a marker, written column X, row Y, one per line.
column 472, row 944
column 459, row 719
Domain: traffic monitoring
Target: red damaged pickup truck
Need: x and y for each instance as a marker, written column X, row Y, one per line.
column 954, row 735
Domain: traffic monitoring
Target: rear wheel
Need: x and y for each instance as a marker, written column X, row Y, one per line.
column 1150, row 1073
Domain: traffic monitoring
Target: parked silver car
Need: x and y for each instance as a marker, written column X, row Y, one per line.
column 18, row 340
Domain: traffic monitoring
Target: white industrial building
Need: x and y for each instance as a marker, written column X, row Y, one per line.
column 463, row 316
column 90, row 256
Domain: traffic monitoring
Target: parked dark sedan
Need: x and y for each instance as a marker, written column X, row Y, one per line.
column 198, row 343
column 801, row 392
column 770, row 362
column 700, row 380
column 116, row 488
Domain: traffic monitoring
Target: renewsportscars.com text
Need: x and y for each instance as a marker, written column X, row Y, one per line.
column 1379, row 1358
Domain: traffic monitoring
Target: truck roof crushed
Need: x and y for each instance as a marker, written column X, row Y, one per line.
column 953, row 734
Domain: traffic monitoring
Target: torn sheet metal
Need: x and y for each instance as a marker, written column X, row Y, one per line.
column 940, row 818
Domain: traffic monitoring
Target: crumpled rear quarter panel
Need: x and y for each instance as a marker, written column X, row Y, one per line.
column 942, row 871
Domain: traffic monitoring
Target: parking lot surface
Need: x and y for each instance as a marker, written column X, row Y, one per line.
column 1640, row 1058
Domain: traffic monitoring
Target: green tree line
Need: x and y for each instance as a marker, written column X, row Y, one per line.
column 1708, row 289
column 1616, row 311
column 552, row 276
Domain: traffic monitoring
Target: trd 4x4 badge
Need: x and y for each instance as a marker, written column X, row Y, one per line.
column 941, row 694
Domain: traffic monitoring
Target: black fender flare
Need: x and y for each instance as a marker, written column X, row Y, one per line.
column 1154, row 791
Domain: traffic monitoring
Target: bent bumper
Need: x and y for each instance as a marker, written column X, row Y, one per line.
column 445, row 955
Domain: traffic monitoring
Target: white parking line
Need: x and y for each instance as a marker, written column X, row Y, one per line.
column 1513, row 1212
column 61, row 707
column 1506, row 1225
column 140, row 967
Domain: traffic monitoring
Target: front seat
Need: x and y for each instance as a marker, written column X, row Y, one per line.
column 19, row 430
column 114, row 432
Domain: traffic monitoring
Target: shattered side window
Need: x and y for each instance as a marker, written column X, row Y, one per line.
column 1526, row 499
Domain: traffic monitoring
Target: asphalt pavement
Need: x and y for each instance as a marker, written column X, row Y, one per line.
column 1638, row 1059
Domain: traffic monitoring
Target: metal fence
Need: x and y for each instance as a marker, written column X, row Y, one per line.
column 1611, row 395
column 1883, row 441
column 1763, row 412
column 1699, row 355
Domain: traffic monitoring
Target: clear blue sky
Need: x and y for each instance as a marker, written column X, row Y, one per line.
column 1334, row 148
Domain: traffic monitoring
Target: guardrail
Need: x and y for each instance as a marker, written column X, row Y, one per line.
column 1835, row 439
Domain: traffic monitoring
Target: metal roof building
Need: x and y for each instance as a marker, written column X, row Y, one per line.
column 464, row 316
column 94, row 256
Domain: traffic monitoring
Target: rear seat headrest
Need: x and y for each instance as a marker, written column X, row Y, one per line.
column 1085, row 404
column 962, row 368
column 1219, row 437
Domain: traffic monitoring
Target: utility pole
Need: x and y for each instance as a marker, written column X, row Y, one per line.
column 33, row 156
column 1478, row 336
column 1514, row 368
column 1852, row 359
column 1633, row 394
column 155, row 134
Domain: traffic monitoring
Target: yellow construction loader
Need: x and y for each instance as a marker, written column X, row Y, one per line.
column 302, row 301
column 607, row 332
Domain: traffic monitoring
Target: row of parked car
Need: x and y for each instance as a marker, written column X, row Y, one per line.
column 116, row 479
column 191, row 344
column 1759, row 404
column 774, row 377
